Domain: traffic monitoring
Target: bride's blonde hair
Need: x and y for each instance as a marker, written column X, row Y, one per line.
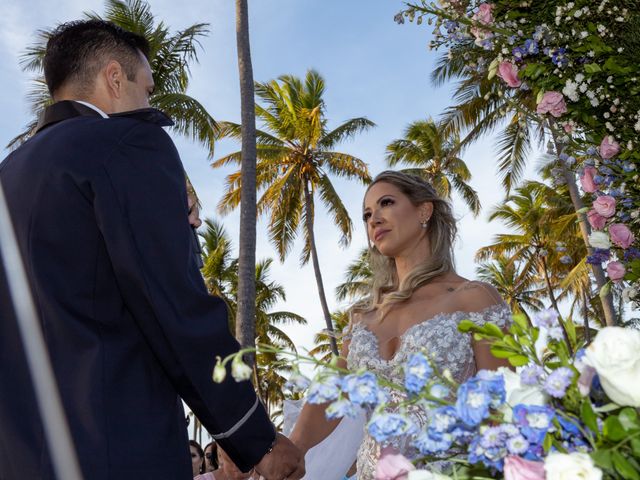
column 441, row 231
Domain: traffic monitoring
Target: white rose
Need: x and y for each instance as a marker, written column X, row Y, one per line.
column 426, row 475
column 517, row 393
column 573, row 466
column 615, row 354
column 599, row 240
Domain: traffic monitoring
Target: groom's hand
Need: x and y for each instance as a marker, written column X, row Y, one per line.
column 285, row 461
column 194, row 211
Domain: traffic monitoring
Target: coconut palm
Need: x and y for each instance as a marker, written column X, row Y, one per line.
column 171, row 54
column 433, row 155
column 323, row 349
column 358, row 279
column 520, row 291
column 245, row 326
column 296, row 159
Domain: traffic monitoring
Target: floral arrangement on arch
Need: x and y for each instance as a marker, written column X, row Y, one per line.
column 567, row 412
column 572, row 67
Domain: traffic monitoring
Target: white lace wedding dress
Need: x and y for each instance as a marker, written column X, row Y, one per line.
column 440, row 337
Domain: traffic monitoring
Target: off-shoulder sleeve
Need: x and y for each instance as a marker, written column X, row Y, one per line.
column 499, row 314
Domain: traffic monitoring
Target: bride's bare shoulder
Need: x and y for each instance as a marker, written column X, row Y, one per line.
column 473, row 296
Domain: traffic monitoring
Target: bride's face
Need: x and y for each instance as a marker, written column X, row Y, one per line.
column 393, row 222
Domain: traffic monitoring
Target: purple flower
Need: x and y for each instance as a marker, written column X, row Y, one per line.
column 531, row 47
column 558, row 381
column 531, row 375
column 517, row 445
column 598, row 256
column 566, row 259
column 534, row 422
column 546, row 318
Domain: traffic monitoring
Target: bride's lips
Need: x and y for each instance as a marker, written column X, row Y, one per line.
column 379, row 234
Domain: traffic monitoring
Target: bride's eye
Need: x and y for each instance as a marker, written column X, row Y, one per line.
column 385, row 202
column 366, row 216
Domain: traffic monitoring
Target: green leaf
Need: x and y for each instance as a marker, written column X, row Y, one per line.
column 629, row 419
column 623, row 467
column 521, row 320
column 493, row 330
column 602, row 458
column 613, row 429
column 588, row 416
column 518, row 360
column 592, row 68
column 547, row 442
column 466, row 326
column 604, row 291
column 501, row 352
column 635, row 446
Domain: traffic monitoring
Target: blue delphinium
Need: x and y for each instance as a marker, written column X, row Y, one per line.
column 494, row 382
column 473, row 401
column 442, row 420
column 531, row 46
column 341, row 408
column 362, row 388
column 558, row 381
column 531, row 375
column 534, row 423
column 325, row 389
column 428, row 445
column 598, row 256
column 572, row 438
column 384, row 426
column 297, row 382
column 417, row 372
column 438, row 391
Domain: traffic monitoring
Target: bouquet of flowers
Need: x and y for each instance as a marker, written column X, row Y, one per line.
column 567, row 412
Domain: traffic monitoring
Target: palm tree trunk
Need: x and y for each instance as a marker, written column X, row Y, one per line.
column 246, row 314
column 554, row 302
column 316, row 267
column 585, row 230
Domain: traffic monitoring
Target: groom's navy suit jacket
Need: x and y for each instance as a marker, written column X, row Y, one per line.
column 99, row 207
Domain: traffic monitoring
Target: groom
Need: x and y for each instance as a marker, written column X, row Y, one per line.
column 100, row 210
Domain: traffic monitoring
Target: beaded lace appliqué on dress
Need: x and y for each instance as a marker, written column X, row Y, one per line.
column 440, row 337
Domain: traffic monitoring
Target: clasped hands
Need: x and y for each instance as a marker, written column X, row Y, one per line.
column 284, row 462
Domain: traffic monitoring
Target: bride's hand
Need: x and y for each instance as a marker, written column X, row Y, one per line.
column 231, row 472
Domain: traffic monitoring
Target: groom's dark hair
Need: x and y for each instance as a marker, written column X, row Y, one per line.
column 76, row 51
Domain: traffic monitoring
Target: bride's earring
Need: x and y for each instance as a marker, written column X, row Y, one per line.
column 424, row 223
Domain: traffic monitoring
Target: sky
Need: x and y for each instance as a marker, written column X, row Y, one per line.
column 372, row 67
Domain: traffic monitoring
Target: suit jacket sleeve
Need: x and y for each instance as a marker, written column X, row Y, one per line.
column 141, row 206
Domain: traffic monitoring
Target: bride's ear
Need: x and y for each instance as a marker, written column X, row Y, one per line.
column 426, row 210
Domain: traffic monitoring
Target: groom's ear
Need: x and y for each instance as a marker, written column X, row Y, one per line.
column 114, row 77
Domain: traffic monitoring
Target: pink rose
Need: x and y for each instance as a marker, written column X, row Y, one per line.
column 605, row 205
column 621, row 235
column 596, row 220
column 615, row 271
column 553, row 103
column 485, row 17
column 586, row 180
column 517, row 468
column 508, row 72
column 609, row 147
column 392, row 465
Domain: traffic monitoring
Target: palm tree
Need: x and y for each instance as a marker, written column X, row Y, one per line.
column 245, row 323
column 220, row 273
column 358, row 279
column 517, row 289
column 324, row 347
column 434, row 155
column 527, row 213
column 295, row 160
column 170, row 57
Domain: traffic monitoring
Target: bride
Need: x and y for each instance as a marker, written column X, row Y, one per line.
column 416, row 302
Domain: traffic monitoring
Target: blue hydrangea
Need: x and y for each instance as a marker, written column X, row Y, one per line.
column 384, row 426
column 417, row 372
column 531, row 375
column 341, row 408
column 494, row 382
column 558, row 381
column 473, row 401
column 362, row 388
column 325, row 389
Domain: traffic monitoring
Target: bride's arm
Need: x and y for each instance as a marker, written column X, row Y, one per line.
column 313, row 426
